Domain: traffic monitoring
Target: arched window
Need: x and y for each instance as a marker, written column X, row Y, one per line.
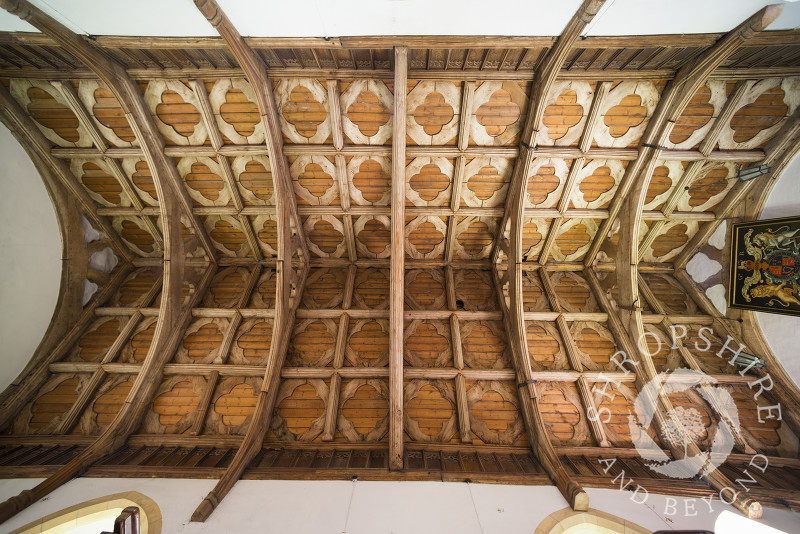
column 568, row 521
column 97, row 515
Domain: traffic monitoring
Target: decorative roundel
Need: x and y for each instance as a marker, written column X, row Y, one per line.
column 574, row 239
column 497, row 110
column 227, row 235
column 373, row 239
column 325, row 236
column 666, row 174
column 709, row 187
column 204, row 183
column 254, row 179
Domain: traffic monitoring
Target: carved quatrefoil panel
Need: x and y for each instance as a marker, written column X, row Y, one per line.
column 304, row 110
column 434, row 111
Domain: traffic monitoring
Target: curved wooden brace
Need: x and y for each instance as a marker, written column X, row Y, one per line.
column 289, row 284
column 547, row 73
column 256, row 73
column 130, row 99
column 545, row 76
column 57, row 177
column 513, row 316
column 171, row 312
column 69, row 319
column 779, row 152
column 629, row 199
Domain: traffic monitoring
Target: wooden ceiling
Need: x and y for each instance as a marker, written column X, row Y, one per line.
column 392, row 258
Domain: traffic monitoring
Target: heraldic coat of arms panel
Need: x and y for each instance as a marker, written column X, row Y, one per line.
column 765, row 267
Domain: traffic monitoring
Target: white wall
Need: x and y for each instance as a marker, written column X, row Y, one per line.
column 318, row 18
column 321, row 507
column 781, row 330
column 30, row 258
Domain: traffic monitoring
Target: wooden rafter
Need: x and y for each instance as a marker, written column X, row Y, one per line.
column 173, row 317
column 778, row 153
column 38, row 149
column 256, row 73
column 630, row 199
column 627, row 326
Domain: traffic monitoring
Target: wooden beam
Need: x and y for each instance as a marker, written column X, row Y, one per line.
column 37, row 371
column 625, row 322
column 397, row 273
column 565, row 152
column 39, row 149
column 779, row 152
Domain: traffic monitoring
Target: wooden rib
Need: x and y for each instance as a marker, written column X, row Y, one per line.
column 455, row 205
column 743, row 328
column 73, row 100
column 256, row 73
column 626, row 324
column 332, row 405
column 398, row 257
column 343, row 179
column 624, row 154
column 548, row 71
column 207, row 112
column 514, row 322
column 466, row 116
column 676, row 96
column 204, row 404
column 709, row 393
column 286, row 302
column 732, row 104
